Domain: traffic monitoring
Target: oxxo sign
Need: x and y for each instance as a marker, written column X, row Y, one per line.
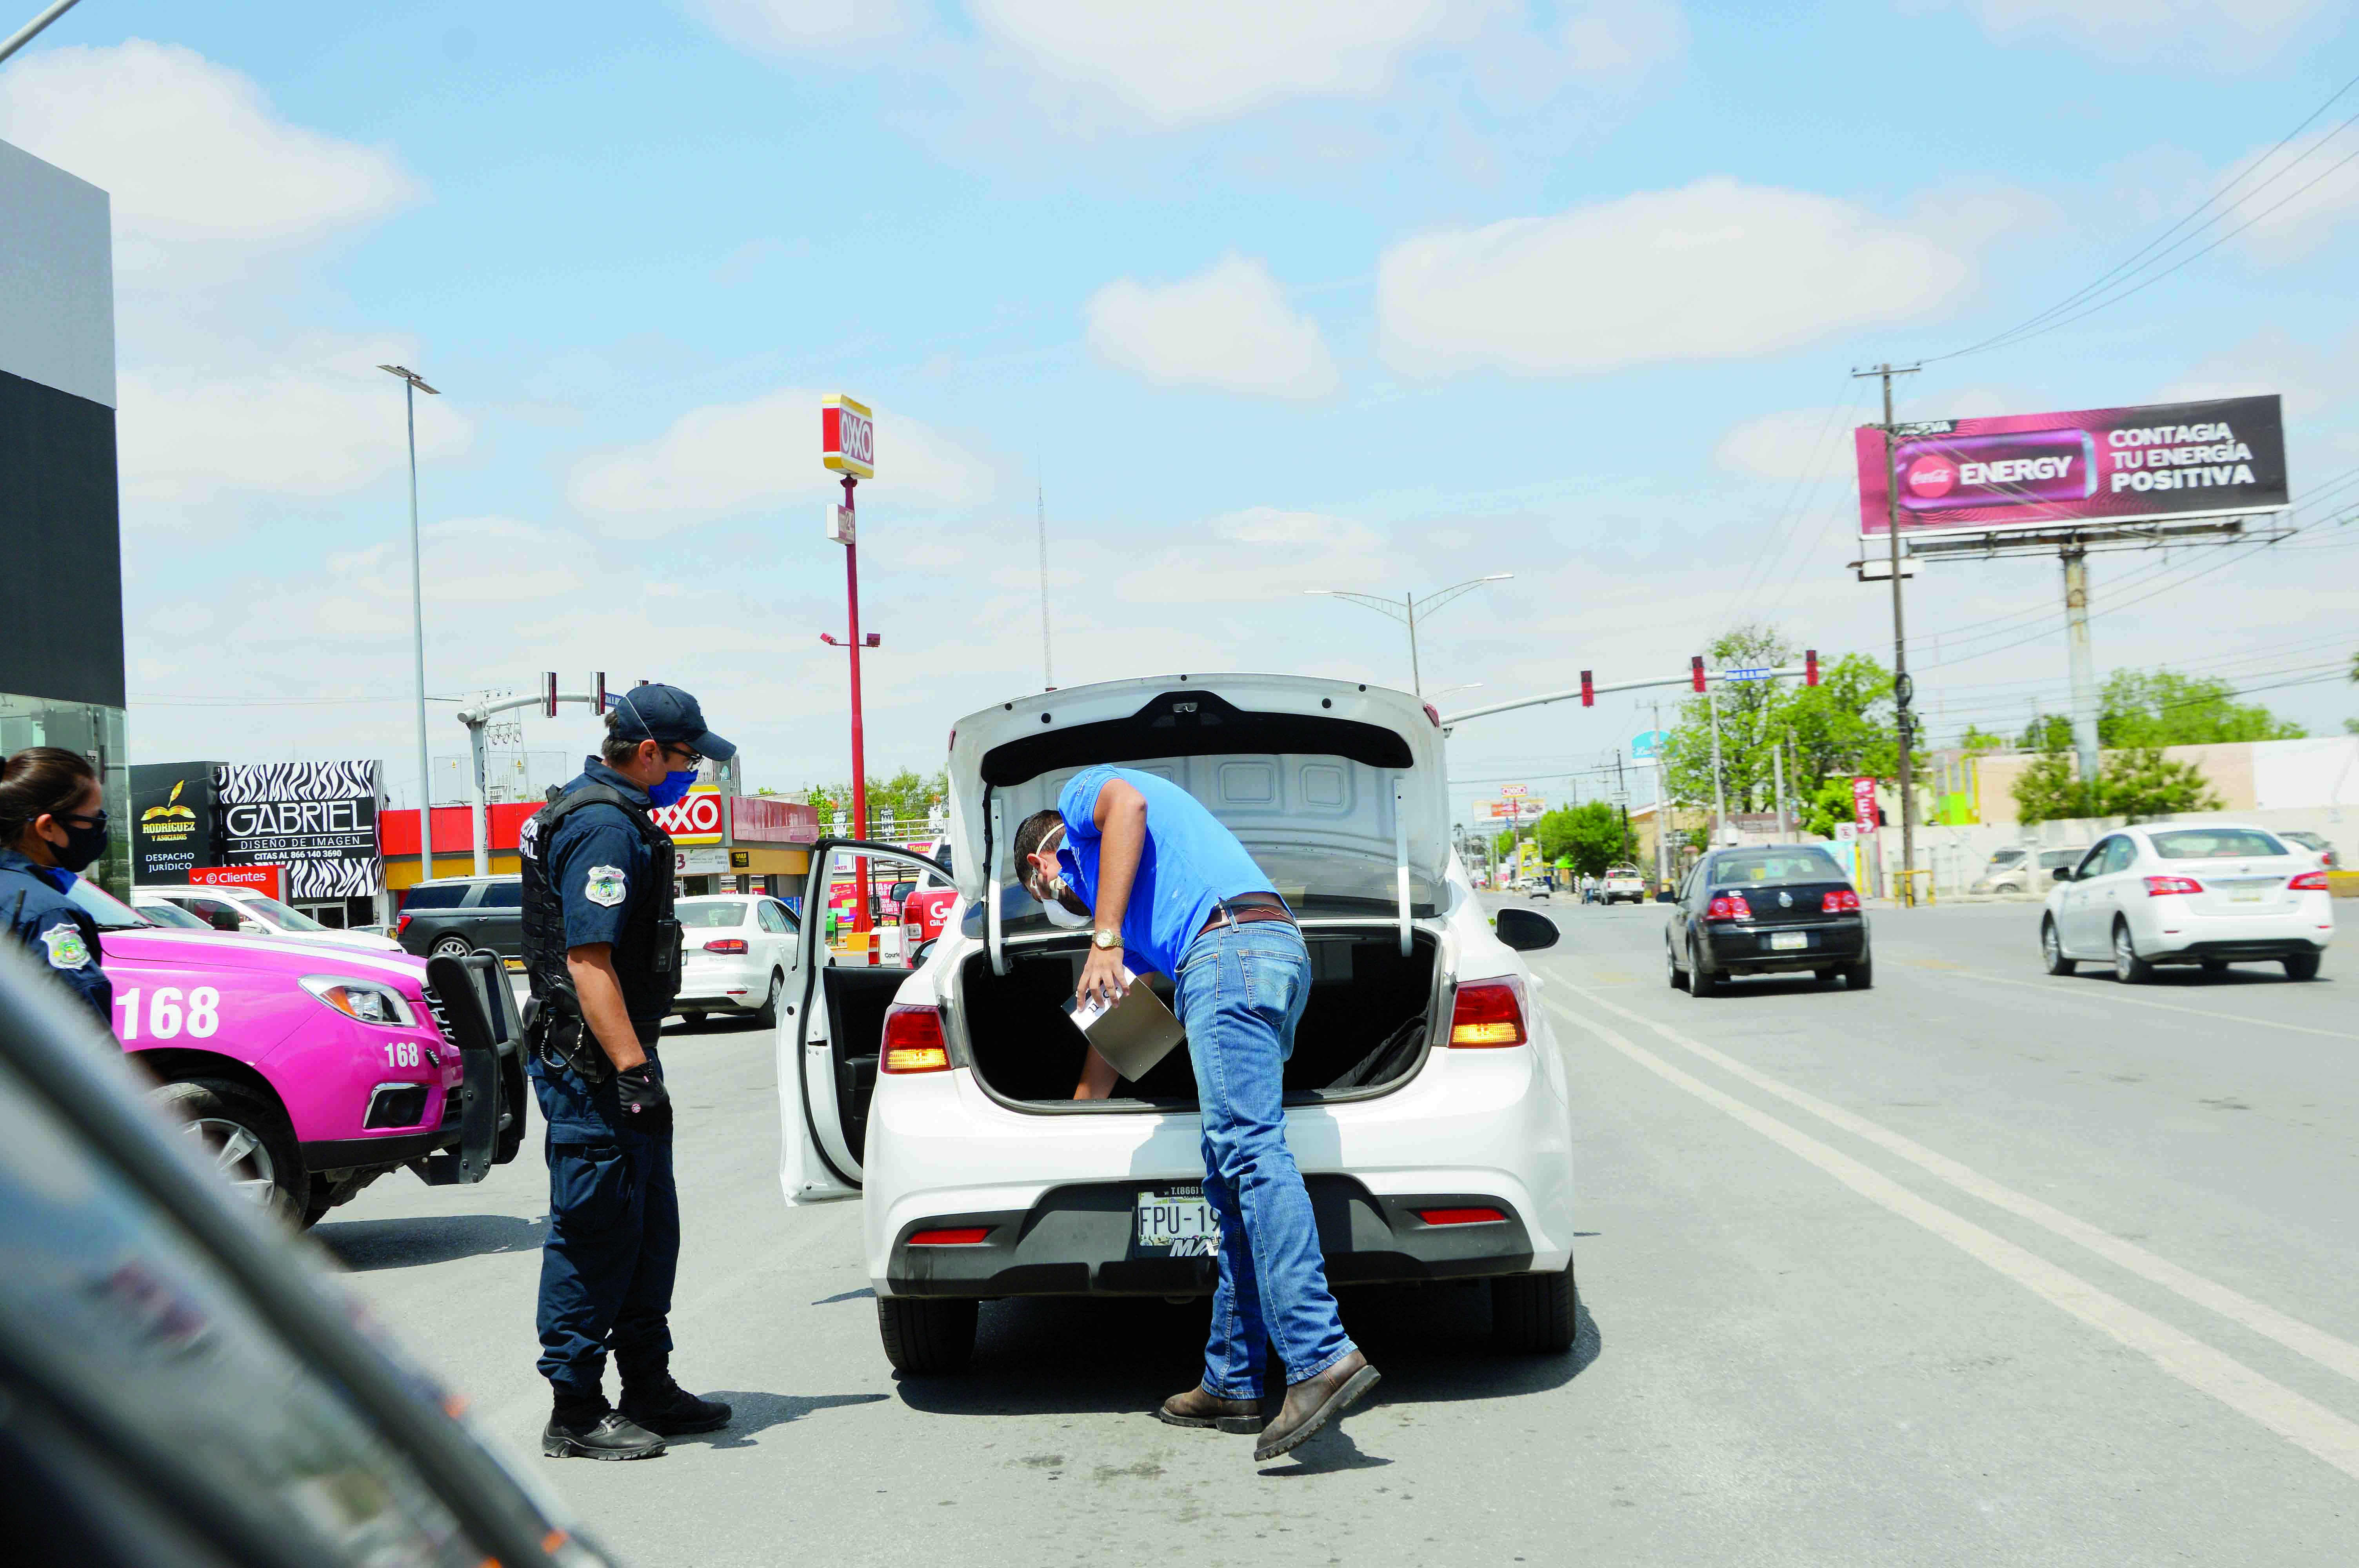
column 848, row 436
column 696, row 819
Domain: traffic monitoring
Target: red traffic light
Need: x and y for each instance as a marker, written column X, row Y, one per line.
column 1588, row 690
column 1811, row 667
column 1695, row 671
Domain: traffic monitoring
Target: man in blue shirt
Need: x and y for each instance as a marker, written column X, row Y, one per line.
column 1166, row 887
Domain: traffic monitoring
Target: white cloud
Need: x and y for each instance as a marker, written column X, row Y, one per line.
column 1798, row 443
column 1258, row 554
column 807, row 26
column 736, row 456
column 189, row 150
column 2295, row 199
column 1714, row 270
column 1624, row 40
column 1229, row 327
column 2218, row 34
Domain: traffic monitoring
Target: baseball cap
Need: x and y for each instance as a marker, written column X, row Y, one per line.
column 668, row 714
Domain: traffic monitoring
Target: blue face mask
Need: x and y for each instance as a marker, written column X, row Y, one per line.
column 674, row 788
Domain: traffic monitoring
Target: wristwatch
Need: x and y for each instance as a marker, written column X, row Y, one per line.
column 1105, row 941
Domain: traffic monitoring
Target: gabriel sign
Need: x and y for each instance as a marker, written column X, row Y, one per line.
column 847, row 434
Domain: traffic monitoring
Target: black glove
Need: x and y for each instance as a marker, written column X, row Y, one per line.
column 645, row 1106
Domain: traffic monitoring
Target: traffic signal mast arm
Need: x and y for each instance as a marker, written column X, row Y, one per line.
column 1588, row 691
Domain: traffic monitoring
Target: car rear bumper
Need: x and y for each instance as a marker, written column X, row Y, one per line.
column 715, row 982
column 2189, row 937
column 1747, row 949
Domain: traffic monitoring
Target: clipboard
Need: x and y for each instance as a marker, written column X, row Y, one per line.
column 1135, row 1033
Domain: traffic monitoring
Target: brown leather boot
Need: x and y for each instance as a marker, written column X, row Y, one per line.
column 1198, row 1407
column 1313, row 1402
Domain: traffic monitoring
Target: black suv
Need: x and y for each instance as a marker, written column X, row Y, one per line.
column 459, row 914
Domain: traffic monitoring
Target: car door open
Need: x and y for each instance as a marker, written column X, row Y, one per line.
column 828, row 1050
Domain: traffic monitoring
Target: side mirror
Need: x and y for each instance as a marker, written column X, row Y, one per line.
column 2062, row 873
column 1525, row 930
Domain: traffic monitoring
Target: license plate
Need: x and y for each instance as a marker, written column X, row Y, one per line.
column 1787, row 941
column 1178, row 1224
column 2244, row 895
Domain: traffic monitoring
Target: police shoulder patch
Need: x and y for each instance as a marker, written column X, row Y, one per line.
column 603, row 885
column 67, row 949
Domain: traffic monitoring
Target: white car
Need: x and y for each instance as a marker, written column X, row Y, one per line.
column 256, row 914
column 1621, row 883
column 2209, row 893
column 735, row 952
column 1428, row 1108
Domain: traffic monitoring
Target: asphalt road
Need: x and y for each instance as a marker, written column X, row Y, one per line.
column 1976, row 1267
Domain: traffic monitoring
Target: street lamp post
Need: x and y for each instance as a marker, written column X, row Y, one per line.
column 412, row 384
column 1409, row 609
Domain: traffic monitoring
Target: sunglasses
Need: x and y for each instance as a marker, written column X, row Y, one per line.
column 695, row 759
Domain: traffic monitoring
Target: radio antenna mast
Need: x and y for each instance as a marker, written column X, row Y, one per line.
column 1040, row 511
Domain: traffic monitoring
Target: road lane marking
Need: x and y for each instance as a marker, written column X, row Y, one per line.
column 2299, row 1421
column 2300, row 1337
column 2066, row 988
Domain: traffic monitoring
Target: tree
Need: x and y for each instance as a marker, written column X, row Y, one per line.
column 1591, row 833
column 1840, row 728
column 2162, row 708
column 1977, row 740
column 2138, row 783
column 907, row 795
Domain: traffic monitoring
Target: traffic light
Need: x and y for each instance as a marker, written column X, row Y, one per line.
column 548, row 694
column 1588, row 690
column 1811, row 667
column 1695, row 671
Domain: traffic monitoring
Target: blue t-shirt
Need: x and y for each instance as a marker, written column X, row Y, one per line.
column 1189, row 864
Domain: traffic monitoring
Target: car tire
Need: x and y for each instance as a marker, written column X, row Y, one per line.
column 690, row 1020
column 926, row 1335
column 2301, row 966
column 2215, row 967
column 1701, row 982
column 1859, row 977
column 2051, row 950
column 266, row 1167
column 2128, row 968
column 768, row 1016
column 1671, row 972
column 1534, row 1315
column 449, row 947
column 1823, row 976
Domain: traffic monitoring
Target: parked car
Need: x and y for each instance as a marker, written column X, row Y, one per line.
column 1622, row 883
column 2317, row 843
column 460, row 914
column 182, row 1386
column 1431, row 1112
column 1767, row 909
column 252, row 911
column 736, row 950
column 2029, row 871
column 1541, row 892
column 171, row 916
column 2211, row 894
column 308, row 1071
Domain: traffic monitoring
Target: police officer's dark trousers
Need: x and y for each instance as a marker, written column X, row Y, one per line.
column 612, row 1247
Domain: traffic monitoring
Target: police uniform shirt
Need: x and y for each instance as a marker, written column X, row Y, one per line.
column 58, row 932
column 599, row 864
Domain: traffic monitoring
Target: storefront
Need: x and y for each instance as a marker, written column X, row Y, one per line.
column 315, row 823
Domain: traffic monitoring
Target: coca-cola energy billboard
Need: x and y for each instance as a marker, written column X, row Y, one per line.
column 2096, row 466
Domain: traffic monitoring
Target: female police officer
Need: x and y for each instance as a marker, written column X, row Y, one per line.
column 52, row 824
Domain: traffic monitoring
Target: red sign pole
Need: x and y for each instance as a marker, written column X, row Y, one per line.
column 860, row 919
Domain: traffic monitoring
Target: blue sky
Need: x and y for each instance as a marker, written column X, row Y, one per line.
column 1365, row 294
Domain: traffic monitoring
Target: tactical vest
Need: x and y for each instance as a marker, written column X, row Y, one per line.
column 647, row 955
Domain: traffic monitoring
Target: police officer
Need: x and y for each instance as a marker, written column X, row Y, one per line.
column 52, row 824
column 601, row 951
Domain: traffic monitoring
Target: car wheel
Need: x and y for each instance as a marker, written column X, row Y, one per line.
column 1671, row 968
column 2215, row 965
column 1534, row 1314
column 689, row 1020
column 2128, row 968
column 926, row 1335
column 1822, row 977
column 244, row 1137
column 1702, row 982
column 2301, row 966
column 1859, row 977
column 768, row 1016
column 449, row 947
column 2051, row 950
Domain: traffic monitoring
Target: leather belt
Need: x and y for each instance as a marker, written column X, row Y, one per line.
column 1246, row 909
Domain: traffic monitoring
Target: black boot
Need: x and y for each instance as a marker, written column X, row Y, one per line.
column 652, row 1399
column 587, row 1428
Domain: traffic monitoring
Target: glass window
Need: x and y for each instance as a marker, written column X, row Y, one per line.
column 434, row 895
column 502, row 895
column 2051, row 859
column 2216, row 844
column 1770, row 867
column 163, row 911
column 217, row 912
column 278, row 915
column 2006, row 858
column 96, row 732
column 2094, row 863
column 719, row 915
column 111, row 913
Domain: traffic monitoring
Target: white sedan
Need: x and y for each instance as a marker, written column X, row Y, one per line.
column 1428, row 1105
column 736, row 950
column 2209, row 893
column 256, row 913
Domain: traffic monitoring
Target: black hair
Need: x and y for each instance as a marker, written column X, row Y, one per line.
column 619, row 748
column 1030, row 833
column 39, row 781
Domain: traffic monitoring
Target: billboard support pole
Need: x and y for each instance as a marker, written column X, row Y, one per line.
column 2084, row 662
column 1903, row 723
column 1719, row 791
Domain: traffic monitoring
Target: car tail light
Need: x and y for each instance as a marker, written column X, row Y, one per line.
column 2309, row 881
column 1488, row 1012
column 1461, row 1217
column 1434, row 714
column 913, row 1041
column 2163, row 887
column 1729, row 906
column 402, row 925
column 1839, row 900
column 726, row 945
column 955, row 1236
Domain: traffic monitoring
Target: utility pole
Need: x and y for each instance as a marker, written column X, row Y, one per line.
column 1719, row 791
column 2084, row 662
column 1041, row 506
column 1902, row 687
column 1409, row 610
column 412, row 384
column 1662, row 809
column 1778, row 766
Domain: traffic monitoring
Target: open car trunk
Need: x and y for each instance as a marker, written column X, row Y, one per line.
column 1364, row 1031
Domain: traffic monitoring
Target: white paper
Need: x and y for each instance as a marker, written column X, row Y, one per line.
column 1085, row 1013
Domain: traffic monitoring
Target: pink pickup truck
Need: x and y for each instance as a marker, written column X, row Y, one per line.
column 309, row 1071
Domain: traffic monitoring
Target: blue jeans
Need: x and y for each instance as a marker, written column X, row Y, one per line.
column 1241, row 990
